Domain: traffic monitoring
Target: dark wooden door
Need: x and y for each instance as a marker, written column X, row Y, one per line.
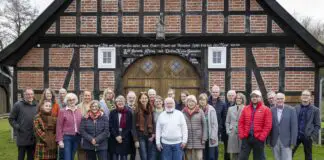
column 161, row 73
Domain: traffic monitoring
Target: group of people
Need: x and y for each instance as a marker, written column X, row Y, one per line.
column 153, row 128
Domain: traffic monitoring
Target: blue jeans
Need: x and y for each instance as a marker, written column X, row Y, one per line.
column 92, row 155
column 156, row 155
column 172, row 152
column 71, row 144
column 145, row 148
column 210, row 153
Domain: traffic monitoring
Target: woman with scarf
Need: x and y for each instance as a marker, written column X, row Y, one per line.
column 211, row 145
column 49, row 95
column 232, row 118
column 197, row 129
column 144, row 126
column 44, row 128
column 120, row 127
column 94, row 130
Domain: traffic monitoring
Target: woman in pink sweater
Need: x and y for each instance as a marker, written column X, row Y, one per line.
column 68, row 125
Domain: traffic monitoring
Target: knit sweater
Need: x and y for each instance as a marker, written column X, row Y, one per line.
column 171, row 128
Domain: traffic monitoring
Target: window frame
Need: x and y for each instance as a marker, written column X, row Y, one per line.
column 101, row 51
column 211, row 51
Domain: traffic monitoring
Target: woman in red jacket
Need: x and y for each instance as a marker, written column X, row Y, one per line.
column 254, row 126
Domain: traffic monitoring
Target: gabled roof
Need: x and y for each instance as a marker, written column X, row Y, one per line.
column 31, row 35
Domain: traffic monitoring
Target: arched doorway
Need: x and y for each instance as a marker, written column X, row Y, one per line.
column 161, row 72
column 3, row 100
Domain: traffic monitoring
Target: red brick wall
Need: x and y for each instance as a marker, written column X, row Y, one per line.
column 238, row 80
column 215, row 5
column 266, row 57
column 57, row 78
column 86, row 80
column 72, row 7
column 68, row 24
column 299, row 80
column 193, row 24
column 236, row 5
column 130, row 5
column 150, row 24
column 109, row 6
column 270, row 79
column 215, row 23
column 88, row 24
column 276, row 28
column 52, row 29
column 88, row 5
column 258, row 23
column 193, row 5
column 297, row 58
column 34, row 58
column 107, row 79
column 172, row 5
column 130, row 24
column 86, row 57
column 33, row 79
column 109, row 24
column 254, row 6
column 151, row 5
column 236, row 24
column 217, row 78
column 238, row 57
column 60, row 57
column 172, row 24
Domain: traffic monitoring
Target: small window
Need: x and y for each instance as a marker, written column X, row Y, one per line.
column 217, row 57
column 106, row 57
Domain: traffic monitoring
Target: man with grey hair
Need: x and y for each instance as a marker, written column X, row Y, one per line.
column 62, row 94
column 271, row 97
column 284, row 129
column 171, row 132
column 151, row 94
column 131, row 100
column 131, row 105
column 231, row 95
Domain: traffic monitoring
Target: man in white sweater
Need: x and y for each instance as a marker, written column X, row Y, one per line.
column 171, row 132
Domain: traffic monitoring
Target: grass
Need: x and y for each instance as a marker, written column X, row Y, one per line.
column 8, row 149
column 322, row 125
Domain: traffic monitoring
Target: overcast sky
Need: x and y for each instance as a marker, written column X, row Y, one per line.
column 303, row 8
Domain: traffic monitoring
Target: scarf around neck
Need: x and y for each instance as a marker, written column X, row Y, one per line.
column 192, row 112
column 94, row 116
column 123, row 112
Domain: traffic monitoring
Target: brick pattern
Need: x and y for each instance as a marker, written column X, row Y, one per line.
column 151, row 5
column 88, row 24
column 33, row 79
column 215, row 5
column 72, row 7
column 68, row 24
column 130, row 24
column 109, row 6
column 238, row 57
column 193, row 5
column 217, row 78
column 276, row 28
column 236, row 24
column 258, row 23
column 130, row 5
column 60, row 57
column 150, row 24
column 193, row 24
column 215, row 23
column 238, row 80
column 254, row 6
column 52, row 29
column 172, row 5
column 86, row 57
column 109, row 24
column 107, row 79
column 270, row 79
column 57, row 78
column 86, row 80
column 34, row 58
column 172, row 24
column 266, row 57
column 297, row 58
column 299, row 80
column 88, row 5
column 236, row 5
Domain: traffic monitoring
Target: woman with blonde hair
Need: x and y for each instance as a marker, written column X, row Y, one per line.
column 107, row 102
column 232, row 118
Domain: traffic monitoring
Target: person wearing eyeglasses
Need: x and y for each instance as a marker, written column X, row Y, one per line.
column 308, row 124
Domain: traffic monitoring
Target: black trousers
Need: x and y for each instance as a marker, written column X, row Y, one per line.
column 22, row 150
column 251, row 143
column 307, row 143
column 225, row 140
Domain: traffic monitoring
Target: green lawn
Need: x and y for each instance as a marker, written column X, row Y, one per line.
column 8, row 149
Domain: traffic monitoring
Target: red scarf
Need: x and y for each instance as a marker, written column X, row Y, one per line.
column 122, row 123
column 187, row 110
column 94, row 116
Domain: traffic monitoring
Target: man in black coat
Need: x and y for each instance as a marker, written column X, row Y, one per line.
column 21, row 118
column 220, row 107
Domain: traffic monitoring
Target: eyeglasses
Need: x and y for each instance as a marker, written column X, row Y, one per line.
column 306, row 95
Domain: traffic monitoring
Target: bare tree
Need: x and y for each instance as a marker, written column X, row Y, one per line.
column 15, row 17
column 316, row 28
